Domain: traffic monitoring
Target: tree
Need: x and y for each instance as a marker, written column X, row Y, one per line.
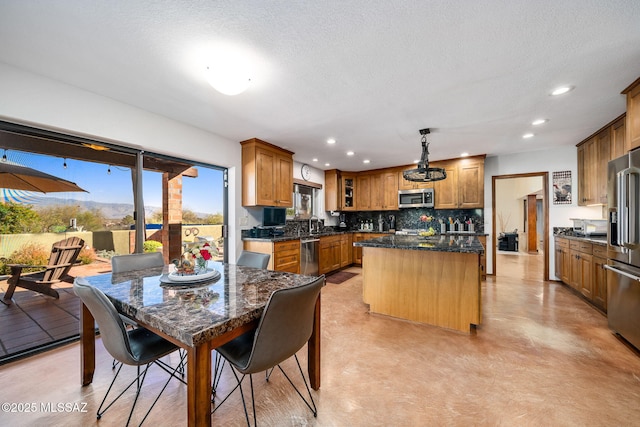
column 58, row 218
column 16, row 219
column 215, row 218
column 190, row 217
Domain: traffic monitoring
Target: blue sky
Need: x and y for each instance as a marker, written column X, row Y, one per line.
column 202, row 194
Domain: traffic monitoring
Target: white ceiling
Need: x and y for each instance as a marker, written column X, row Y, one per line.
column 368, row 73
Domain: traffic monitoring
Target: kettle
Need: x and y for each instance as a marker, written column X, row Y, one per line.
column 392, row 223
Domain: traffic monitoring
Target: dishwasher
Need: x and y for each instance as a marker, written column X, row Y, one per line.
column 309, row 256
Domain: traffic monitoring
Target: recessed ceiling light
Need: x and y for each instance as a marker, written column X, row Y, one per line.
column 350, row 153
column 465, row 154
column 539, row 122
column 314, row 160
column 331, row 141
column 527, row 135
column 416, row 161
column 327, row 164
column 366, row 161
column 561, row 90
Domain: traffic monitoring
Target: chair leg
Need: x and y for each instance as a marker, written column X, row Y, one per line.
column 313, row 409
column 217, row 372
column 6, row 299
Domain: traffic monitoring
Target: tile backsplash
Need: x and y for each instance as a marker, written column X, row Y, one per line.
column 410, row 218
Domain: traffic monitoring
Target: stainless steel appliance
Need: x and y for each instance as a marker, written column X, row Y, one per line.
column 309, row 256
column 589, row 227
column 623, row 266
column 418, row 198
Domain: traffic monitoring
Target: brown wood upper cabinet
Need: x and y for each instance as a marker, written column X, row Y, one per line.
column 464, row 186
column 340, row 191
column 267, row 174
column 404, row 184
column 633, row 115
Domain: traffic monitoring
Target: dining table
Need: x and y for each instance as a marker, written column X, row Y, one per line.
column 198, row 314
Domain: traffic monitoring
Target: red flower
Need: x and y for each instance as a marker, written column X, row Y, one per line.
column 205, row 252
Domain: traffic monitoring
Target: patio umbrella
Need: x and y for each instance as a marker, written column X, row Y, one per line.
column 23, row 178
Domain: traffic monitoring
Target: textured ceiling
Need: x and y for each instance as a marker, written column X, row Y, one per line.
column 368, row 73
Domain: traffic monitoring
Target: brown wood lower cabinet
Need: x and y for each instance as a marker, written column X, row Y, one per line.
column 329, row 258
column 357, row 251
column 580, row 264
column 285, row 256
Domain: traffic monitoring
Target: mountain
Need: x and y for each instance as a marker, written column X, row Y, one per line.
column 109, row 210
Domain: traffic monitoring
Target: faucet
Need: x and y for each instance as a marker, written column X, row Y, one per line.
column 311, row 218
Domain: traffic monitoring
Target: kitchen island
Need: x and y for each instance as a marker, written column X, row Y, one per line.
column 434, row 280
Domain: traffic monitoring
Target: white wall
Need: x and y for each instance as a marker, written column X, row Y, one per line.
column 560, row 159
column 44, row 103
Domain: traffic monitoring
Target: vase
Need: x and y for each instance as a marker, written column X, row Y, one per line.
column 201, row 265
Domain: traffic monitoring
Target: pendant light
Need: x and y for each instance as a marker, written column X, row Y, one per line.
column 423, row 173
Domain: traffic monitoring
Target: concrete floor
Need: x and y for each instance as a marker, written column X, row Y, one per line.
column 542, row 356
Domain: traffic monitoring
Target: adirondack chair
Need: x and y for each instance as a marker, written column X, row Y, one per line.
column 63, row 256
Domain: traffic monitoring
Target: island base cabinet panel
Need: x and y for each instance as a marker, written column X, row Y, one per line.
column 437, row 288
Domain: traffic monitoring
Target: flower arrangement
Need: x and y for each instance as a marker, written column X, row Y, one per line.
column 195, row 259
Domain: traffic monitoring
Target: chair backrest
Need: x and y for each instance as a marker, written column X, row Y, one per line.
column 253, row 259
column 122, row 263
column 285, row 326
column 114, row 336
column 63, row 255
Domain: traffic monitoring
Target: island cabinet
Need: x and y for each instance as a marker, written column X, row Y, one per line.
column 464, row 186
column 267, row 174
column 632, row 124
column 285, row 255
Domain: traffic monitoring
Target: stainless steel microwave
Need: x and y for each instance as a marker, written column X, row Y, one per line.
column 419, row 198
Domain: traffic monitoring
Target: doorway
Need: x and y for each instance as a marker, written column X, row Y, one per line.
column 520, row 221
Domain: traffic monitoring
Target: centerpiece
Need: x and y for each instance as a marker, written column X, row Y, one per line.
column 194, row 261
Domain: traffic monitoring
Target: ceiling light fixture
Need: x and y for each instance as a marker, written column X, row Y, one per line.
column 367, row 161
column 331, row 141
column 538, row 122
column 228, row 79
column 423, row 173
column 465, row 154
column 327, row 164
column 64, row 165
column 314, row 160
column 350, row 153
column 4, row 156
column 527, row 135
column 561, row 90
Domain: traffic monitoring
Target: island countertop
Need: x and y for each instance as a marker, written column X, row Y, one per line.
column 439, row 243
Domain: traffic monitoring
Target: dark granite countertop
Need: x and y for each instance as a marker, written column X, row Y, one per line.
column 307, row 235
column 441, row 243
column 195, row 313
column 598, row 240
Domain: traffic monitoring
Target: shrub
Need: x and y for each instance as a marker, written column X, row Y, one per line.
column 31, row 254
column 151, row 246
column 4, row 268
column 87, row 255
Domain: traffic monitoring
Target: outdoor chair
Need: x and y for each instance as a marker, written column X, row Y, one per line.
column 284, row 328
column 63, row 256
column 136, row 347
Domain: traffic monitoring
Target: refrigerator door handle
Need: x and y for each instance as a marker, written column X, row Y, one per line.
column 627, row 195
column 624, row 273
column 621, row 187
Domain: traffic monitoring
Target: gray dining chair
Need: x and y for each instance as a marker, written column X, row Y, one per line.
column 137, row 347
column 123, row 263
column 246, row 259
column 284, row 328
column 254, row 259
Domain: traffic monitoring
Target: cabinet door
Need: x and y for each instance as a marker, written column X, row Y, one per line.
column 376, row 194
column 558, row 263
column 587, row 173
column 633, row 118
column 332, row 193
column 324, row 256
column 585, row 280
column 617, row 148
column 390, row 191
column 566, row 266
column 284, row 182
column 346, row 251
column 471, row 185
column 404, row 184
column 576, row 273
column 357, row 251
column 265, row 177
column 363, row 193
column 599, row 296
column 602, row 161
column 348, row 192
column 446, row 191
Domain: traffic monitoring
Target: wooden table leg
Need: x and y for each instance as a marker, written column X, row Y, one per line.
column 87, row 345
column 199, row 385
column 313, row 347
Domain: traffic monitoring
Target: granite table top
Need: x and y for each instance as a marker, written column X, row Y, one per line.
column 438, row 243
column 194, row 313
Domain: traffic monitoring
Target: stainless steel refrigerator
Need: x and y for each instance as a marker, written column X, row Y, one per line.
column 623, row 266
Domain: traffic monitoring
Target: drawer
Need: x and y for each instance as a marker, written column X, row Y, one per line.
column 330, row 240
column 562, row 243
column 580, row 246
column 600, row 251
column 286, row 245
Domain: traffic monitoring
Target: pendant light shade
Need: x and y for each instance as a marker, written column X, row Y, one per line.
column 423, row 173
